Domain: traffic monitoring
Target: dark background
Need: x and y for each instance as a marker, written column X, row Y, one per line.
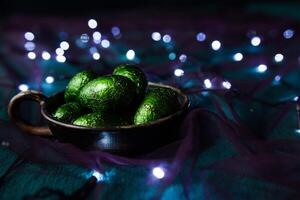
column 40, row 7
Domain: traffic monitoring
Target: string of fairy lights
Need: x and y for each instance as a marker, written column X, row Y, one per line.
column 103, row 42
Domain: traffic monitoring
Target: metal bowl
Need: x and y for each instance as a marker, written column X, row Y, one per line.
column 124, row 140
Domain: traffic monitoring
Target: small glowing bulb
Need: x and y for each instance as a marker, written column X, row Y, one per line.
column 255, row 41
column 97, row 35
column 158, row 172
column 59, row 51
column 115, row 31
column 93, row 50
column 130, row 54
column 216, row 45
column 288, row 34
column 156, row 36
column 46, row 55
column 238, row 57
column 296, row 98
column 226, row 84
column 277, row 78
column 182, row 58
column 96, row 56
column 262, row 68
column 167, row 38
column 29, row 46
column 49, row 79
column 201, row 37
column 64, row 45
column 29, row 36
column 92, row 23
column 297, row 131
column 278, row 57
column 172, row 56
column 207, row 83
column 84, row 38
column 98, row 176
column 105, row 43
column 23, row 87
column 31, row 55
column 61, row 58
column 178, row 72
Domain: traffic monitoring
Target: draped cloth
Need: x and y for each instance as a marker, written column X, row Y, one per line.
column 221, row 156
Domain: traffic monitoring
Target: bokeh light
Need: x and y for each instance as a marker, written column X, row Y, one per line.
column 59, row 51
column 277, row 78
column 105, row 43
column 156, row 36
column 207, row 83
column 23, row 87
column 255, row 41
column 64, row 45
column 115, row 31
column 29, row 46
column 158, row 172
column 29, row 36
column 201, row 37
column 167, row 38
column 46, row 55
column 172, row 56
column 130, row 54
column 216, row 45
column 278, row 57
column 96, row 56
column 31, row 55
column 288, row 34
column 183, row 58
column 226, row 84
column 178, row 72
column 97, row 35
column 99, row 176
column 84, row 38
column 49, row 79
column 262, row 68
column 92, row 23
column 61, row 58
column 93, row 50
column 238, row 57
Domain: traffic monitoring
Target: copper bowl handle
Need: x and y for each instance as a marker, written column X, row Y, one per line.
column 13, row 107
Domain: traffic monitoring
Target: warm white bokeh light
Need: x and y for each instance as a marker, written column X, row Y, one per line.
column 216, row 45
column 130, row 54
column 178, row 72
column 158, row 172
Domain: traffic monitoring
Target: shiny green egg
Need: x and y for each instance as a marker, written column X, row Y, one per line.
column 136, row 75
column 158, row 103
column 68, row 112
column 76, row 83
column 108, row 93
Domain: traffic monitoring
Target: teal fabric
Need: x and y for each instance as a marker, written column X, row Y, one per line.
column 28, row 179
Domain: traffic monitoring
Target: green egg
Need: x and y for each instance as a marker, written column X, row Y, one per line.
column 158, row 103
column 136, row 75
column 108, row 93
column 76, row 83
column 98, row 119
column 68, row 112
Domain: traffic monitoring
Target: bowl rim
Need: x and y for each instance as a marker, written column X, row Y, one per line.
column 184, row 107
